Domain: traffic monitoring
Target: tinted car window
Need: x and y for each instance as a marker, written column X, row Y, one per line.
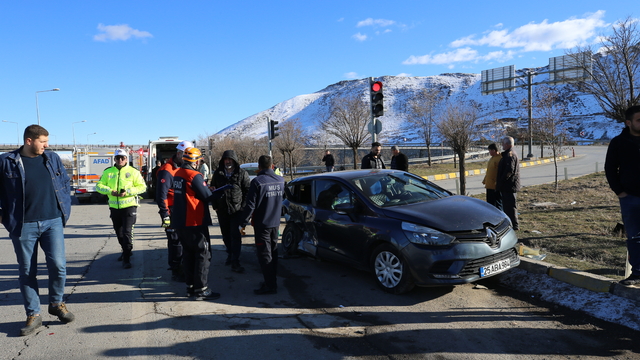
column 300, row 193
column 330, row 193
column 397, row 189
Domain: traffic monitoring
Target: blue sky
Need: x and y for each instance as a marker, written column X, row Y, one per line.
column 137, row 70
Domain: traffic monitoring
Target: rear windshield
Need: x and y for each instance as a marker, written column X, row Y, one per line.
column 253, row 171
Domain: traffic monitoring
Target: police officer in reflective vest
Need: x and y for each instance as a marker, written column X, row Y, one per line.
column 122, row 184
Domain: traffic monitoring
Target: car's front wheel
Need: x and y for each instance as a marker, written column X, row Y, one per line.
column 290, row 238
column 390, row 270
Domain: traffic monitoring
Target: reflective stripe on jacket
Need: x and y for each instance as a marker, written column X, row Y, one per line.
column 127, row 178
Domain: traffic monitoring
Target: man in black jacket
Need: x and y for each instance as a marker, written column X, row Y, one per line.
column 622, row 167
column 264, row 202
column 328, row 161
column 373, row 160
column 228, row 207
column 508, row 181
column 399, row 160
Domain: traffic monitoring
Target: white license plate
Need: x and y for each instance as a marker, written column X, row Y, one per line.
column 495, row 268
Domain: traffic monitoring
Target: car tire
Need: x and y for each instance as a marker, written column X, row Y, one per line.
column 290, row 238
column 390, row 271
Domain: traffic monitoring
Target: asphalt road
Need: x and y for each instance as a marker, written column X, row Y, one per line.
column 322, row 310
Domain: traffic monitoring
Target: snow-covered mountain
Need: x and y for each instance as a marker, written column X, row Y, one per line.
column 584, row 120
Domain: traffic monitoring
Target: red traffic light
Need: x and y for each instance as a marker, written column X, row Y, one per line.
column 376, row 86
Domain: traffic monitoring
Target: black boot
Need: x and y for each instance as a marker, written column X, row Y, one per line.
column 126, row 262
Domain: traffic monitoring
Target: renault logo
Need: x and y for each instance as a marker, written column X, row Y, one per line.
column 492, row 237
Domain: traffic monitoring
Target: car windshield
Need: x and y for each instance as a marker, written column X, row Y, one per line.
column 397, row 189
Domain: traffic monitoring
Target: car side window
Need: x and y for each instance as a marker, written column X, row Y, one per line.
column 330, row 193
column 300, row 193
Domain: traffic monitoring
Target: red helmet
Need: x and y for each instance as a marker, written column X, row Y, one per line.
column 191, row 154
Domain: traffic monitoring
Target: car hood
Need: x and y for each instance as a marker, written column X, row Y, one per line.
column 450, row 214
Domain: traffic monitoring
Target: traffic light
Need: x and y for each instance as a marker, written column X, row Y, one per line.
column 377, row 107
column 273, row 129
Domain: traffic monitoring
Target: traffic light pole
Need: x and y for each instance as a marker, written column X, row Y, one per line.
column 374, row 136
column 269, row 136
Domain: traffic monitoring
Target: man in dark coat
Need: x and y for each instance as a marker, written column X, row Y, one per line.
column 399, row 161
column 373, row 160
column 230, row 204
column 264, row 204
column 328, row 161
column 508, row 181
column 622, row 167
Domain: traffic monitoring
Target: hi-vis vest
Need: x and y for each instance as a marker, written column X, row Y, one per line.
column 127, row 178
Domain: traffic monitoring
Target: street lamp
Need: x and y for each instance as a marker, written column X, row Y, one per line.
column 17, row 130
column 37, row 110
column 88, row 138
column 73, row 131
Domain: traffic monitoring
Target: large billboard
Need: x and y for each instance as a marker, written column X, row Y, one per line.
column 567, row 68
column 498, row 80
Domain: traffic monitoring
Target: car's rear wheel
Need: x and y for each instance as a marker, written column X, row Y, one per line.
column 290, row 238
column 390, row 270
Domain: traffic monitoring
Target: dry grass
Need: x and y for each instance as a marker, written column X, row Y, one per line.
column 574, row 225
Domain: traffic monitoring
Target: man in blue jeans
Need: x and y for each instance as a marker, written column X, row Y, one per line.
column 35, row 205
column 622, row 167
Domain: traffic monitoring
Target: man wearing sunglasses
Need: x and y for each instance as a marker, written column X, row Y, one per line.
column 122, row 184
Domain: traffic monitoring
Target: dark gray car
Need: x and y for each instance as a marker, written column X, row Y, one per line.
column 403, row 228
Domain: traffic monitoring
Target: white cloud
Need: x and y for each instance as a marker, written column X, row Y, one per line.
column 352, row 75
column 404, row 75
column 360, row 37
column 121, row 32
column 544, row 36
column 375, row 22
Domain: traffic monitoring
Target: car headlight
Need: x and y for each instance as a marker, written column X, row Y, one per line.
column 418, row 234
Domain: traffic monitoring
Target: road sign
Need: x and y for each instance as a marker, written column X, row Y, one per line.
column 378, row 127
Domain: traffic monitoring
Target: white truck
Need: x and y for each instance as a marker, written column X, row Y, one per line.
column 88, row 166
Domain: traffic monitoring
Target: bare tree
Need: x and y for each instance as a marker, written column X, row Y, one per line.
column 348, row 120
column 247, row 149
column 548, row 122
column 290, row 143
column 421, row 116
column 458, row 125
column 614, row 68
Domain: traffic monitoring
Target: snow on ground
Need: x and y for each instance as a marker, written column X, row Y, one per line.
column 604, row 306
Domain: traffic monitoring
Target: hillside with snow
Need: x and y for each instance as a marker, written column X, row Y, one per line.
column 584, row 120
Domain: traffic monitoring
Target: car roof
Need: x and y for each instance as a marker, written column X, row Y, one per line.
column 249, row 165
column 346, row 174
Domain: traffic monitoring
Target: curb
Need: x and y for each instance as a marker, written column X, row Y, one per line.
column 581, row 279
column 454, row 175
